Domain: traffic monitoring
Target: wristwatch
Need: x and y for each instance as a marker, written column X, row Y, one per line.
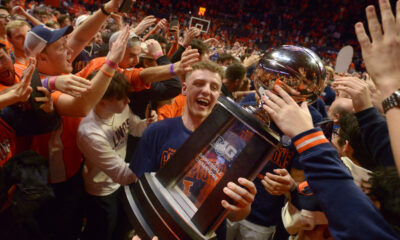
column 391, row 101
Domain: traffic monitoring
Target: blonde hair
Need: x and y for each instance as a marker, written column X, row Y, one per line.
column 207, row 65
column 14, row 25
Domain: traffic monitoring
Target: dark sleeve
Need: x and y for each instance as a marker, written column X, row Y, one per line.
column 176, row 57
column 350, row 212
column 27, row 122
column 375, row 136
column 165, row 89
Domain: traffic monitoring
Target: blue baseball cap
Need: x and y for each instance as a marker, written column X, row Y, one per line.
column 40, row 36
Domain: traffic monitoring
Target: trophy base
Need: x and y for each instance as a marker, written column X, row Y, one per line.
column 152, row 211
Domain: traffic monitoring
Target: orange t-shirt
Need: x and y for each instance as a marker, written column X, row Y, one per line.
column 8, row 45
column 133, row 74
column 72, row 157
column 18, row 68
column 172, row 110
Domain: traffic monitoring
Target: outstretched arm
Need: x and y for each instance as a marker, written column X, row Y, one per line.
column 347, row 208
column 160, row 73
column 80, row 106
column 381, row 54
column 85, row 32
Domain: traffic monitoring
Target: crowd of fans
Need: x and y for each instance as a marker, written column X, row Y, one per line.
column 91, row 99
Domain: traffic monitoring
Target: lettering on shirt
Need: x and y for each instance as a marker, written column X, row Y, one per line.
column 120, row 134
column 282, row 157
column 166, row 155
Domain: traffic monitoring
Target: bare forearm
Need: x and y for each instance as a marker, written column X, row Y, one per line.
column 7, row 99
column 156, row 74
column 393, row 119
column 32, row 19
column 85, row 32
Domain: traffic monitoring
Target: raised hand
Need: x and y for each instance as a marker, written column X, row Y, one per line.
column 17, row 10
column 278, row 183
column 190, row 34
column 144, row 24
column 251, row 60
column 189, row 56
column 72, row 85
column 357, row 89
column 287, row 115
column 242, row 195
column 211, row 41
column 23, row 90
column 113, row 5
column 381, row 52
column 162, row 25
column 118, row 48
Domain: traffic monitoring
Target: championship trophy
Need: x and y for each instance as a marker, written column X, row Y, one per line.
column 232, row 142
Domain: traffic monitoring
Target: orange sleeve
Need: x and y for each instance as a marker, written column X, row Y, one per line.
column 3, row 87
column 134, row 79
column 172, row 110
column 55, row 96
column 173, row 49
column 93, row 65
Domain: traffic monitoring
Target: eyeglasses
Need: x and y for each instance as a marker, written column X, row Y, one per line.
column 5, row 16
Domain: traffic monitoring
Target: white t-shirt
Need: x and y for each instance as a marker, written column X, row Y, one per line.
column 103, row 143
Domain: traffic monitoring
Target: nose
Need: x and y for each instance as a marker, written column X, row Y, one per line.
column 206, row 90
column 135, row 60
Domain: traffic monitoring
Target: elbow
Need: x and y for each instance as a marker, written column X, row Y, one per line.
column 82, row 111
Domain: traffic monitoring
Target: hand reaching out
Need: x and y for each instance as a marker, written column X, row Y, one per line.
column 17, row 10
column 72, row 85
column 113, row 5
column 357, row 89
column 189, row 56
column 118, row 48
column 250, row 61
column 287, row 115
column 211, row 41
column 144, row 24
column 278, row 183
column 381, row 52
column 162, row 25
column 190, row 35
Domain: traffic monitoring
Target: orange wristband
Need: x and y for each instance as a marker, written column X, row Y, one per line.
column 107, row 74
